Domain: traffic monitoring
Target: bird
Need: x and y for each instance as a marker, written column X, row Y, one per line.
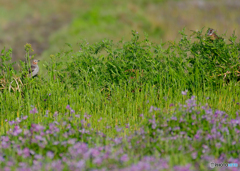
column 212, row 34
column 33, row 71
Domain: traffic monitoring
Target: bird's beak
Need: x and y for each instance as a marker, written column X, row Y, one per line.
column 38, row 60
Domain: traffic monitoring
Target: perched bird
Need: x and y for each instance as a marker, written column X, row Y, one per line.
column 212, row 34
column 33, row 71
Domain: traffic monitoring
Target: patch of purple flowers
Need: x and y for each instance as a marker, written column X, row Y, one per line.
column 34, row 111
column 195, row 132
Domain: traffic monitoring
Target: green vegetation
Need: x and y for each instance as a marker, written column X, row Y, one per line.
column 131, row 104
column 48, row 24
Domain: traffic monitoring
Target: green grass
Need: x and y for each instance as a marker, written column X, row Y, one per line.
column 138, row 97
column 119, row 82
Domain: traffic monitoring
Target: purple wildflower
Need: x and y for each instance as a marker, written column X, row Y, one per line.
column 117, row 140
column 26, row 152
column 184, row 92
column 98, row 160
column 16, row 131
column 11, row 122
column 34, row 110
column 50, row 154
column 118, row 129
column 38, row 156
column 194, row 155
column 124, row 158
column 55, row 114
column 80, row 164
column 68, row 107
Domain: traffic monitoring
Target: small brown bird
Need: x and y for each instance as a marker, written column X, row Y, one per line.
column 212, row 34
column 33, row 71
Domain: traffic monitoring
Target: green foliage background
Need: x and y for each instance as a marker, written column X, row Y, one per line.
column 48, row 25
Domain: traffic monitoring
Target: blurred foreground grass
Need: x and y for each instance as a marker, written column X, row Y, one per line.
column 48, row 25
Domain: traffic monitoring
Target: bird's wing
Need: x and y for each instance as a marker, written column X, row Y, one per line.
column 32, row 69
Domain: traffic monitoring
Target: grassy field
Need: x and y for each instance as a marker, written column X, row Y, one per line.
column 122, row 85
column 130, row 105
